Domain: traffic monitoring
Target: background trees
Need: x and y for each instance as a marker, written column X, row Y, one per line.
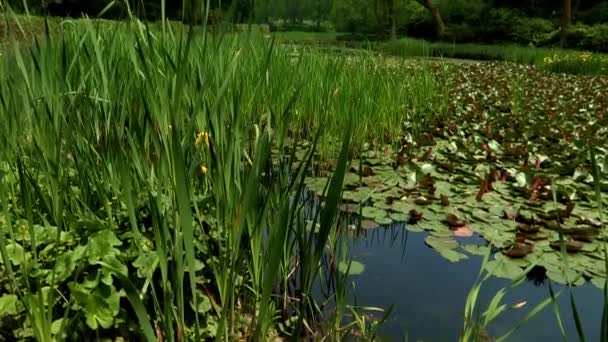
column 569, row 23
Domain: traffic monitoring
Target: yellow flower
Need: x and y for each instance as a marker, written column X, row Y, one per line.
column 585, row 56
column 203, row 169
column 202, row 137
column 548, row 60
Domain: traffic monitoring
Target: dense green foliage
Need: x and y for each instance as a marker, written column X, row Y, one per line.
column 489, row 21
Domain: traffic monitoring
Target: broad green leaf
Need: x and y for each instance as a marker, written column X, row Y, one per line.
column 102, row 245
column 356, row 267
column 452, row 255
column 10, row 305
column 504, row 269
column 101, row 308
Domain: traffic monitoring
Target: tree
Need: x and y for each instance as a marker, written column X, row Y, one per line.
column 394, row 19
column 566, row 21
column 440, row 26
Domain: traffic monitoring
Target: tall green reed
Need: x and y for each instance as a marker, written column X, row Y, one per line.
column 105, row 143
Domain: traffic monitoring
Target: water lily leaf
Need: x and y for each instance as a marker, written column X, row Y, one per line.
column 362, row 194
column 414, row 228
column 373, row 213
column 399, row 217
column 384, row 220
column 598, row 282
column 441, row 243
column 561, row 276
column 452, row 255
column 382, row 205
column 476, row 249
column 356, row 267
column 504, row 269
column 351, row 180
column 401, row 207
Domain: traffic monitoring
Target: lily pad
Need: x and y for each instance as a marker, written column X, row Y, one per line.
column 356, row 267
column 373, row 213
column 453, row 255
column 476, row 249
column 504, row 269
column 399, row 217
column 440, row 243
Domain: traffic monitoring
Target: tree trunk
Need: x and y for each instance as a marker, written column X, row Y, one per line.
column 319, row 15
column 394, row 20
column 566, row 20
column 440, row 26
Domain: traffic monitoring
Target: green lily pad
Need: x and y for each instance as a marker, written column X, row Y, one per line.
column 401, row 207
column 452, row 255
column 504, row 269
column 384, row 220
column 598, row 282
column 374, row 213
column 414, row 228
column 441, row 243
column 399, row 217
column 356, row 267
column 476, row 249
column 561, row 276
column 382, row 205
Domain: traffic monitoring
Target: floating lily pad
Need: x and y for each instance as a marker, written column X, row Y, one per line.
column 561, row 276
column 399, row 217
column 504, row 269
column 356, row 268
column 384, row 220
column 453, row 255
column 414, row 228
column 598, row 282
column 441, row 243
column 373, row 213
column 476, row 249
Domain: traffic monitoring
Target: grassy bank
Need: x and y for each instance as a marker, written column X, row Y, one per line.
column 551, row 59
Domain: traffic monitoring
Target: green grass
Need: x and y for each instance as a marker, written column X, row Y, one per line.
column 567, row 61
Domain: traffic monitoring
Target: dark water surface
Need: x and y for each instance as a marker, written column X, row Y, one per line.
column 429, row 292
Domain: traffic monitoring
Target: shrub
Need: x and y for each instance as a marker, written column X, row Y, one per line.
column 587, row 37
column 498, row 25
column 532, row 30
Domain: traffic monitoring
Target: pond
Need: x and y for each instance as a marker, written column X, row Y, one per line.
column 429, row 292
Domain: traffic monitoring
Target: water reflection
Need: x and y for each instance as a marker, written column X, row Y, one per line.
column 429, row 292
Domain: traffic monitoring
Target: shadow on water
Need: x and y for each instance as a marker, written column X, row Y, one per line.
column 429, row 292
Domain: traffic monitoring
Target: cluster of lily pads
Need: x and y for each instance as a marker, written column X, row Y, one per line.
column 509, row 162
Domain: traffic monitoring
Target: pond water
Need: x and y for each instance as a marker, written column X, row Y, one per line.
column 429, row 292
